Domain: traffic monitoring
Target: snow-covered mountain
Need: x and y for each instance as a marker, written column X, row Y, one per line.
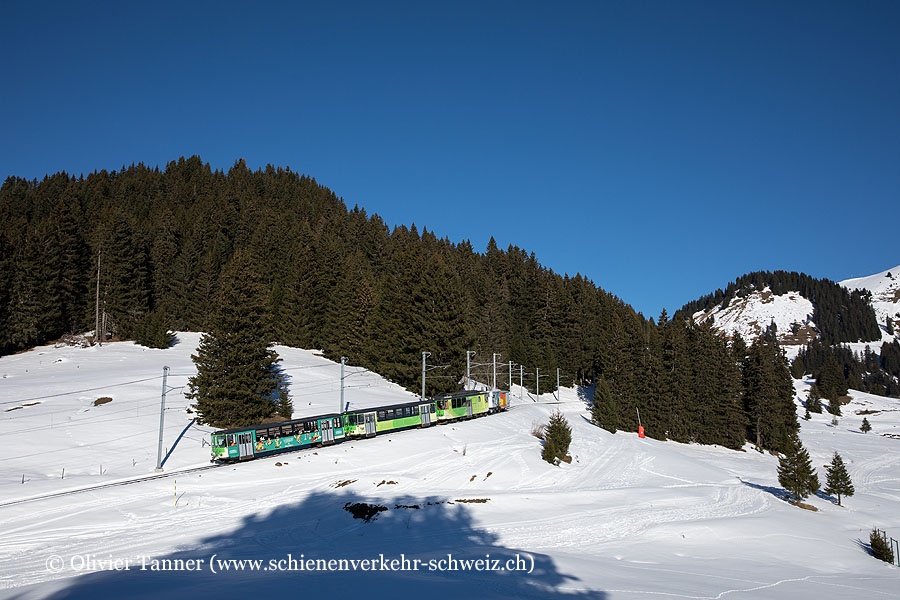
column 792, row 313
column 885, row 289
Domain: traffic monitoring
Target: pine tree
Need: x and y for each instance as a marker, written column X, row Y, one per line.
column 831, row 381
column 603, row 409
column 890, row 325
column 238, row 381
column 814, row 403
column 837, row 479
column 834, row 407
column 880, row 547
column 866, row 427
column 153, row 331
column 795, row 471
column 557, row 437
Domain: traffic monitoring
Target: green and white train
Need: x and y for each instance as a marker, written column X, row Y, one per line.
column 246, row 443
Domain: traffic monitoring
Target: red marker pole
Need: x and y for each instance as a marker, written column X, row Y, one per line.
column 640, row 427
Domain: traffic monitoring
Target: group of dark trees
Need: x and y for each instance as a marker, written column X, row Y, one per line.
column 842, row 368
column 840, row 315
column 329, row 278
column 171, row 242
column 688, row 384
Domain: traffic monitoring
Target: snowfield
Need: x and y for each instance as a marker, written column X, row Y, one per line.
column 628, row 518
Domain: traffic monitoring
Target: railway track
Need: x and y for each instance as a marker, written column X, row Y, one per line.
column 101, row 486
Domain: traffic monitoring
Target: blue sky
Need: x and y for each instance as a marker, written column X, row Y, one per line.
column 660, row 148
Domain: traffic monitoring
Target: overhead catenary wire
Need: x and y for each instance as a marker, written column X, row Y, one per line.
column 102, row 387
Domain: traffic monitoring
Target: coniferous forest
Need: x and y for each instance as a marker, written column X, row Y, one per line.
column 340, row 280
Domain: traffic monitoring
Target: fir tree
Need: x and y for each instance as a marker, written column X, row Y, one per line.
column 603, row 409
column 837, row 479
column 557, row 437
column 834, row 407
column 814, row 403
column 880, row 547
column 795, row 471
column 153, row 331
column 890, row 325
column 866, row 427
column 237, row 381
column 831, row 381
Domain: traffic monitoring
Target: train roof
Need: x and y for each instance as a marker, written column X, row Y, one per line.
column 274, row 424
column 465, row 393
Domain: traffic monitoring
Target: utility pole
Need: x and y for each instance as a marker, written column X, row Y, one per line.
column 341, row 407
column 469, row 355
column 537, row 383
column 424, row 354
column 521, row 386
column 557, row 384
column 510, row 377
column 494, row 386
column 162, row 416
column 97, row 337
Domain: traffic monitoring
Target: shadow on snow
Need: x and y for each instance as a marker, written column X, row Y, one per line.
column 319, row 527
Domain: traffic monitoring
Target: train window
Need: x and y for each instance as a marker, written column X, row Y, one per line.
column 337, row 421
column 415, row 410
column 231, row 441
column 381, row 415
column 432, row 408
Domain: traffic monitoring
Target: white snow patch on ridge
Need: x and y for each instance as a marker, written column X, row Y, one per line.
column 751, row 315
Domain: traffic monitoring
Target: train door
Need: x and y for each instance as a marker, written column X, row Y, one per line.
column 245, row 445
column 326, row 431
column 469, row 407
column 425, row 413
column 370, row 424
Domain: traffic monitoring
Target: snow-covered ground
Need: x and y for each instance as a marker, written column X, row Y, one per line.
column 628, row 518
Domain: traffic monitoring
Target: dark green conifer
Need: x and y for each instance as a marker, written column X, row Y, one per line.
column 834, row 407
column 153, row 331
column 557, row 437
column 603, row 410
column 795, row 471
column 866, row 427
column 837, row 479
column 814, row 403
column 237, row 381
column 880, row 547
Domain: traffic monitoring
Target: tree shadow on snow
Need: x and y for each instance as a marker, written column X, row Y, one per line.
column 586, row 395
column 824, row 496
column 779, row 493
column 320, row 527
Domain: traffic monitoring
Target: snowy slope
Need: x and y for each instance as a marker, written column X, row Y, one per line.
column 628, row 518
column 885, row 288
column 792, row 313
column 751, row 315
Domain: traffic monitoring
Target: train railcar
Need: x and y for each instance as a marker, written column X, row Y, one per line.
column 245, row 443
column 461, row 405
column 498, row 401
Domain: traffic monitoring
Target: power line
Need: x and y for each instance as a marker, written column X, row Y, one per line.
column 102, row 387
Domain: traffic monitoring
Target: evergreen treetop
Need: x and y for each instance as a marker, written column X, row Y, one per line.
column 838, row 479
column 795, row 471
